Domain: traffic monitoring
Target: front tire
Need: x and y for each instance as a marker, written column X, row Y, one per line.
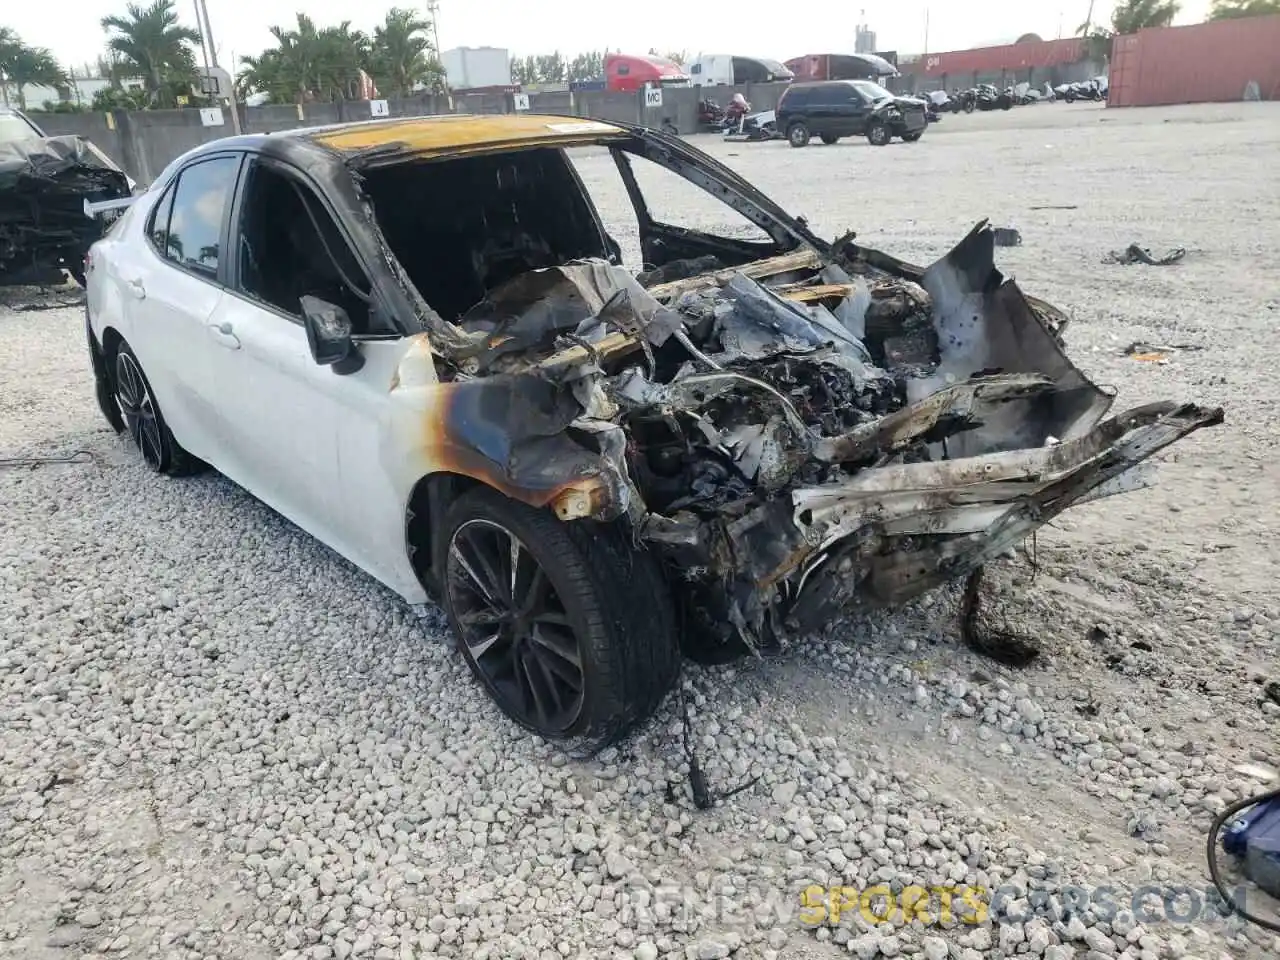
column 798, row 135
column 567, row 626
column 879, row 134
column 142, row 419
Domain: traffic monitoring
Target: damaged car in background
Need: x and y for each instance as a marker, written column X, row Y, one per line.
column 419, row 341
column 44, row 184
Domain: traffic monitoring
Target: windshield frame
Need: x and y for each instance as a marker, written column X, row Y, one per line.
column 871, row 90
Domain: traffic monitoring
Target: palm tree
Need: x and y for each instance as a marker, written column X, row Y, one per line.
column 265, row 74
column 1134, row 15
column 403, row 56
column 343, row 54
column 308, row 63
column 10, row 44
column 1234, row 9
column 155, row 46
column 24, row 66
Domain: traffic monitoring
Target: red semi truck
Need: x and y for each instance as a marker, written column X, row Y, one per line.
column 626, row 72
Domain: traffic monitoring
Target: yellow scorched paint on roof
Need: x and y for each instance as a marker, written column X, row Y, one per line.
column 438, row 136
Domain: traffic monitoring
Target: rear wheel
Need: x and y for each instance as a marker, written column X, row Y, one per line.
column 879, row 134
column 143, row 420
column 568, row 626
column 798, row 135
column 829, row 139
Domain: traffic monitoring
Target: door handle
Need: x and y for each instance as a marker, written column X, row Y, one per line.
column 225, row 334
column 138, row 288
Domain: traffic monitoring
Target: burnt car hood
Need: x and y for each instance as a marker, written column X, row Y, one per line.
column 798, row 437
column 44, row 183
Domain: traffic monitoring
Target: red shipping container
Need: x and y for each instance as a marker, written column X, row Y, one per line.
column 1013, row 57
column 1204, row 63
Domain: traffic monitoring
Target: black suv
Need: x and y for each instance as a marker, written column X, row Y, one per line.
column 847, row 108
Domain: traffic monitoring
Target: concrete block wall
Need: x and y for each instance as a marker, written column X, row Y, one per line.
column 145, row 142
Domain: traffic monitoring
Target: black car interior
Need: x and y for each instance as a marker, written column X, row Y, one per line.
column 462, row 227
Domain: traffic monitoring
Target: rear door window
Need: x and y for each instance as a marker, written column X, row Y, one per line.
column 193, row 238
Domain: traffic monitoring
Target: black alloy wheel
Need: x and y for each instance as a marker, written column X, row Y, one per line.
column 516, row 630
column 138, row 409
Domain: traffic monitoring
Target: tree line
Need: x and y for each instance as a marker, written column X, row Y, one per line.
column 556, row 68
column 151, row 61
column 311, row 63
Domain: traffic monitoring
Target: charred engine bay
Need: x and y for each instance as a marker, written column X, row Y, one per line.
column 800, row 436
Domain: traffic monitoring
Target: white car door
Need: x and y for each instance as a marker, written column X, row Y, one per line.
column 286, row 413
column 171, row 286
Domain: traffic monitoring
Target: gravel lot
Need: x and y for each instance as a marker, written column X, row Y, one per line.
column 218, row 739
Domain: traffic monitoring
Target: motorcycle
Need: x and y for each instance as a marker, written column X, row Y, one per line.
column 1093, row 90
column 1024, row 94
column 754, row 127
column 987, row 97
column 936, row 103
column 711, row 115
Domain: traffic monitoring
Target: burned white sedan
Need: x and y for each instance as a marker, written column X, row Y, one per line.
column 417, row 340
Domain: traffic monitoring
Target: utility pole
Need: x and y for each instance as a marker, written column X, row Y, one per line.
column 204, row 41
column 433, row 8
column 206, row 33
column 926, row 31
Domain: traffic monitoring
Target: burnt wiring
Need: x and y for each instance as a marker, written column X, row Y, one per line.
column 704, row 798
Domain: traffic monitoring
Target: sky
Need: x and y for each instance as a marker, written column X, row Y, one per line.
column 540, row 26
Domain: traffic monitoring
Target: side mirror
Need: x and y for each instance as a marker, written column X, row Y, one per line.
column 329, row 336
